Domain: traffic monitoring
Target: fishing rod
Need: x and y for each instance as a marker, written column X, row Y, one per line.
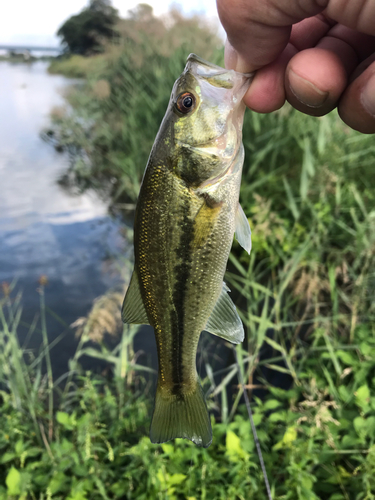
column 253, row 428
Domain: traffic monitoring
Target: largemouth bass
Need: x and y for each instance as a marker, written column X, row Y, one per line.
column 186, row 216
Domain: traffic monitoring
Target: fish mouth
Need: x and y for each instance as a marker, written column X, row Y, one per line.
column 236, row 83
column 214, row 73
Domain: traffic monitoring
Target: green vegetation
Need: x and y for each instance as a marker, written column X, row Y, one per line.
column 305, row 295
column 77, row 66
column 89, row 440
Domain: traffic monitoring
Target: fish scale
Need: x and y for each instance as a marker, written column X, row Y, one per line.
column 186, row 215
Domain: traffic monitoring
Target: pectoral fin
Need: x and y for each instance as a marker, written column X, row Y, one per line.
column 133, row 309
column 243, row 231
column 224, row 320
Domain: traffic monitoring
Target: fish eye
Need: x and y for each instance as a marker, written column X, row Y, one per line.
column 185, row 102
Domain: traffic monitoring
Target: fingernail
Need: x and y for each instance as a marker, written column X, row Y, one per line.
column 233, row 60
column 306, row 92
column 368, row 96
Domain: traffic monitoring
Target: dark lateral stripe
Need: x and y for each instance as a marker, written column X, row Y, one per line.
column 182, row 272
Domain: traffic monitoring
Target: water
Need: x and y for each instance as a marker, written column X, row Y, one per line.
column 44, row 230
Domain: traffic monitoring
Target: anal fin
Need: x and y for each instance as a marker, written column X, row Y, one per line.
column 224, row 320
column 133, row 310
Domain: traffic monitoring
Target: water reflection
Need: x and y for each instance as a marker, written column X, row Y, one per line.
column 43, row 228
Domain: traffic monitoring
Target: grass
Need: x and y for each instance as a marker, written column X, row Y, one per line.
column 317, row 437
column 77, row 66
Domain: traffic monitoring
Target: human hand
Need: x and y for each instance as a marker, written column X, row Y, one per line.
column 317, row 54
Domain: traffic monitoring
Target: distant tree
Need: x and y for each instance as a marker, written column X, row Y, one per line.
column 85, row 32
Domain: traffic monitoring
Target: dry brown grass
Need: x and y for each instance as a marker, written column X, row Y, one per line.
column 103, row 319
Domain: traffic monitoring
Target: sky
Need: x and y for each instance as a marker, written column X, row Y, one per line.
column 35, row 22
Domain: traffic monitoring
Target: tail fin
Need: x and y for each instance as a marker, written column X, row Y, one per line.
column 181, row 416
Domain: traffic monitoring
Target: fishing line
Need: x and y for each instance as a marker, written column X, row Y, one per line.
column 253, row 428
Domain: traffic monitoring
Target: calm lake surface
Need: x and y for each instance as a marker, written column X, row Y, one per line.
column 45, row 230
